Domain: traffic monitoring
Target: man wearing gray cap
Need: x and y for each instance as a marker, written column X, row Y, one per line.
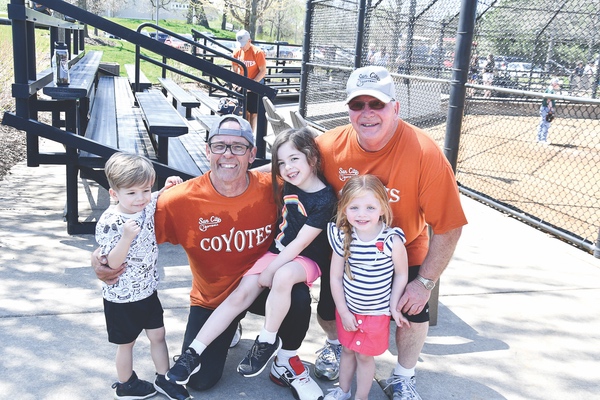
column 422, row 191
column 225, row 222
column 256, row 65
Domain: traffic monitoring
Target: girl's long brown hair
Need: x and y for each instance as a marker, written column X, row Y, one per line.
column 357, row 186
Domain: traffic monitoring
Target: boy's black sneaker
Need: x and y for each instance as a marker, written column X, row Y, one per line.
column 133, row 389
column 257, row 358
column 170, row 389
column 185, row 366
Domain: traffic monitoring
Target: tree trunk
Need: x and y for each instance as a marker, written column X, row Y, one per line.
column 201, row 17
column 252, row 19
column 189, row 16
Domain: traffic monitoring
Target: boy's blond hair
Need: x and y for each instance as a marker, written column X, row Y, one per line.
column 125, row 170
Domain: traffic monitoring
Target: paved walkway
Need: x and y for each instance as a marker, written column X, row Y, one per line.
column 519, row 313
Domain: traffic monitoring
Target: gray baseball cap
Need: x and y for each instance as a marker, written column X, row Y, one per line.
column 245, row 130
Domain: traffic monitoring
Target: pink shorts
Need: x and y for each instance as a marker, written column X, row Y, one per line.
column 313, row 272
column 372, row 336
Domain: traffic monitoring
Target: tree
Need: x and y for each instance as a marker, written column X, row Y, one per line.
column 247, row 12
column 157, row 5
column 283, row 20
column 196, row 13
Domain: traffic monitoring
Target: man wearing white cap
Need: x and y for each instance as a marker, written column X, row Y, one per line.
column 422, row 192
column 256, row 64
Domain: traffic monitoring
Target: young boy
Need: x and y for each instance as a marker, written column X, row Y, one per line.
column 125, row 233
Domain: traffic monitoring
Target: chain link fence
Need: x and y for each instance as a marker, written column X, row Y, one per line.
column 519, row 47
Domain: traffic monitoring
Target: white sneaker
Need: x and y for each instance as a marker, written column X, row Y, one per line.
column 297, row 378
column 337, row 394
column 404, row 387
column 327, row 364
column 237, row 336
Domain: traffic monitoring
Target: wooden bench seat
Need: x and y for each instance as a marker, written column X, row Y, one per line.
column 82, row 78
column 168, row 130
column 115, row 122
column 282, row 75
column 211, row 102
column 80, row 92
column 180, row 96
column 144, row 83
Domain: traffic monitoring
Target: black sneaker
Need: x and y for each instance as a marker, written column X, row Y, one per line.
column 170, row 389
column 257, row 358
column 133, row 389
column 185, row 366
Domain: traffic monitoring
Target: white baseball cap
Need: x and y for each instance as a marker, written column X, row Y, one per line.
column 242, row 37
column 371, row 81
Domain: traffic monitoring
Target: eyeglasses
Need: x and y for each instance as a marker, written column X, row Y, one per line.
column 357, row 105
column 236, row 149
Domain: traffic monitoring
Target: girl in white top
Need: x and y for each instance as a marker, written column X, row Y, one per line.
column 369, row 270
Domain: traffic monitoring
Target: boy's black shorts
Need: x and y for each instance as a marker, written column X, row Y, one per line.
column 125, row 321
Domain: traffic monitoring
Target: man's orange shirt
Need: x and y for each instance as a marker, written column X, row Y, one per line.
column 420, row 181
column 222, row 236
column 253, row 58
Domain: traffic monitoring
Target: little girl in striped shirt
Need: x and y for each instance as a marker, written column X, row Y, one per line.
column 369, row 270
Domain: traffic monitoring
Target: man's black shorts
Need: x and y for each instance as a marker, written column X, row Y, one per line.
column 125, row 321
column 252, row 104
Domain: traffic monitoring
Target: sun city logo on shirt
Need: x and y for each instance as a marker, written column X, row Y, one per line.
column 345, row 175
column 250, row 63
column 204, row 224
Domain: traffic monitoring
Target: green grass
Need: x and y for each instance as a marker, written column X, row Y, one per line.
column 123, row 52
column 118, row 51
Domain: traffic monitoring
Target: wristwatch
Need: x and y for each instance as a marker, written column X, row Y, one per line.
column 428, row 283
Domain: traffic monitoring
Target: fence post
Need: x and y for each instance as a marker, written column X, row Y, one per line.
column 460, row 67
column 597, row 249
column 305, row 57
column 360, row 32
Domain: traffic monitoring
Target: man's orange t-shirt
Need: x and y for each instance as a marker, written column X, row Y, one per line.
column 253, row 58
column 421, row 185
column 222, row 236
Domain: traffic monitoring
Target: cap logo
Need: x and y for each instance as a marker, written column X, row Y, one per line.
column 364, row 79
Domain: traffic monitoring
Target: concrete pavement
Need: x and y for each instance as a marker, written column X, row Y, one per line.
column 519, row 314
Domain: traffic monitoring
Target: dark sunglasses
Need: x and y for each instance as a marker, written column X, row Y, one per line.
column 357, row 105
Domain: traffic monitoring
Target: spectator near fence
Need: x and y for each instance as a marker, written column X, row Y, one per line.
column 575, row 81
column 548, row 106
column 589, row 74
column 473, row 73
column 488, row 73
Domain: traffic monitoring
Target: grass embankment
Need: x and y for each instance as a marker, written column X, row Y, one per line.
column 114, row 50
column 123, row 52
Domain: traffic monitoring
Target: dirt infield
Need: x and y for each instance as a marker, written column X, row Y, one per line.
column 556, row 183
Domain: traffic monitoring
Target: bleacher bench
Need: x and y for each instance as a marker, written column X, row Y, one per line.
column 210, row 102
column 179, row 95
column 81, row 89
column 143, row 82
column 115, row 122
column 166, row 128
